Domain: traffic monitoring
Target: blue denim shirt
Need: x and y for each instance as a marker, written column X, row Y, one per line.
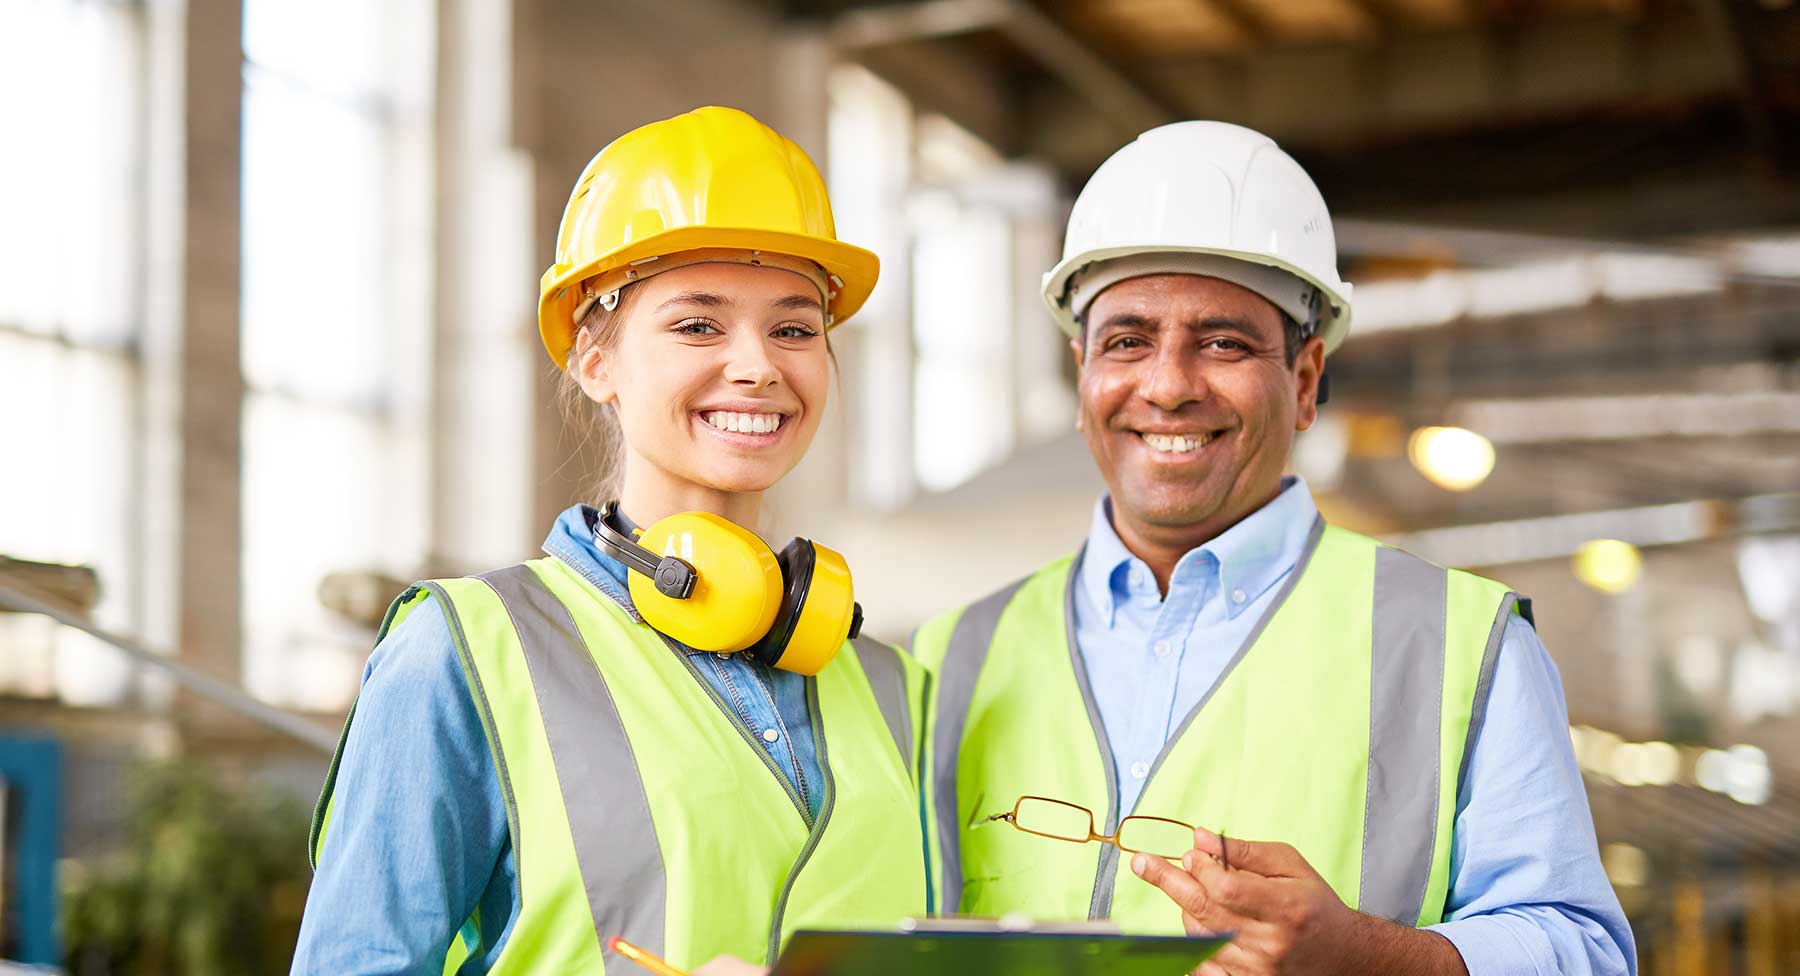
column 1527, row 893
column 419, row 842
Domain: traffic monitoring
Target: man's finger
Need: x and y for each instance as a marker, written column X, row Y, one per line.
column 1187, row 893
column 1271, row 859
column 1236, row 894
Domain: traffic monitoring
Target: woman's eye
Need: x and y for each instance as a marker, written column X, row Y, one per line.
column 696, row 327
column 794, row 330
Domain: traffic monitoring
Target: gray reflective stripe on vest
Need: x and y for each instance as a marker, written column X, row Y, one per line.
column 620, row 863
column 964, row 655
column 1100, row 901
column 1484, row 683
column 881, row 664
column 1406, row 702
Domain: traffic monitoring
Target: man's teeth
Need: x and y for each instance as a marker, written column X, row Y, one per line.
column 1175, row 443
column 743, row 423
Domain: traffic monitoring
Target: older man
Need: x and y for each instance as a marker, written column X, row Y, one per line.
column 1388, row 737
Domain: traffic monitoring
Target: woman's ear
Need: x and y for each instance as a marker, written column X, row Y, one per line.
column 593, row 370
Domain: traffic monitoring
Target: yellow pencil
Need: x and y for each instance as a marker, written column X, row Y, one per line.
column 642, row 958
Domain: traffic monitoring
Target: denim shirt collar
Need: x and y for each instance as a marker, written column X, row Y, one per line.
column 1249, row 557
column 572, row 540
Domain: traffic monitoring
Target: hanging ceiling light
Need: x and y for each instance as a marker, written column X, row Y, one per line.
column 1452, row 458
column 1608, row 565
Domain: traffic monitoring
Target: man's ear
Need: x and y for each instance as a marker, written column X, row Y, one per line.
column 1076, row 348
column 1309, row 367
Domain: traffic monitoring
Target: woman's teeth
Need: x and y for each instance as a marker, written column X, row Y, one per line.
column 743, row 423
column 1175, row 443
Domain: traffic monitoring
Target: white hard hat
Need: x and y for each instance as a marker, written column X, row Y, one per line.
column 1204, row 198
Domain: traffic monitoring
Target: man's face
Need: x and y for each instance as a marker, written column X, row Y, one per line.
column 1188, row 402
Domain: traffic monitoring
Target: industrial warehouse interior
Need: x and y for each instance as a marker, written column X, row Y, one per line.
column 268, row 355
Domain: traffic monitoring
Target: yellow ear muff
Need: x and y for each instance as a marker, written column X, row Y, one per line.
column 824, row 616
column 736, row 594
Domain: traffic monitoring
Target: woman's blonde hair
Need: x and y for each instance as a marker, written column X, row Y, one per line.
column 597, row 423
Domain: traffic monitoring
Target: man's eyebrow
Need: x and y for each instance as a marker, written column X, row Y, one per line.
column 706, row 298
column 1125, row 320
column 797, row 301
column 1224, row 323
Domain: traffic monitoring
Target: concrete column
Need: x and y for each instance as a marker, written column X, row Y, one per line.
column 208, row 536
column 484, row 351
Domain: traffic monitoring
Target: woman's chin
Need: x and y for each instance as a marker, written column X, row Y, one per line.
column 739, row 478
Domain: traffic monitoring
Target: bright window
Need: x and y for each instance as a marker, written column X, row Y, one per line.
column 336, row 174
column 71, row 312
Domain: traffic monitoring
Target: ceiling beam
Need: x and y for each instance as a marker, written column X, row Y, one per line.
column 1540, row 420
column 1557, row 536
column 1116, row 95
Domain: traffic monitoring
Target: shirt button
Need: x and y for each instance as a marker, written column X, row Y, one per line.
column 1140, row 770
column 770, row 735
column 1237, row 596
column 1162, row 648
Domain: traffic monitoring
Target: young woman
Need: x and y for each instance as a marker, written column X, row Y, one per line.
column 657, row 733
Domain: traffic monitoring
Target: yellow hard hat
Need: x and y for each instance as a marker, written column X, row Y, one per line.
column 714, row 178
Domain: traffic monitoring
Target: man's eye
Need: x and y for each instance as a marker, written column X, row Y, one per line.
column 1226, row 345
column 1127, row 343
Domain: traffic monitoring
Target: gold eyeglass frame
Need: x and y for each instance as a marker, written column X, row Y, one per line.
column 1012, row 817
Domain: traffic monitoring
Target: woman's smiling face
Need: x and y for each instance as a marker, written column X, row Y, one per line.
column 719, row 374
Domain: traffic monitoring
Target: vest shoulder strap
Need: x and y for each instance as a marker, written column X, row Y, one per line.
column 955, row 645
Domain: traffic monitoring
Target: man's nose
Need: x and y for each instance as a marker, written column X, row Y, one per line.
column 1174, row 378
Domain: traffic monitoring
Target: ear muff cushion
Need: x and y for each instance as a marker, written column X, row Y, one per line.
column 823, row 620
column 737, row 593
column 796, row 559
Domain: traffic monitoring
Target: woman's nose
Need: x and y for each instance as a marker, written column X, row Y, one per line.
column 749, row 364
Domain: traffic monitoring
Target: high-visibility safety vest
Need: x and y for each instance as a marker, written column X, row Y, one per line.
column 637, row 802
column 1339, row 727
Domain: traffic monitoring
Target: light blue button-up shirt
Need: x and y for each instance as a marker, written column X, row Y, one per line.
column 1527, row 893
column 418, row 840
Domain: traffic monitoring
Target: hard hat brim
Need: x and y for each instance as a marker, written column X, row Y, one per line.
column 857, row 268
column 1334, row 327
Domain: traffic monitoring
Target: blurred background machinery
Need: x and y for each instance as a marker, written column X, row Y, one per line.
column 266, row 353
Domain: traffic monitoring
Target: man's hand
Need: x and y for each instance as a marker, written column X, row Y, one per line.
column 1287, row 919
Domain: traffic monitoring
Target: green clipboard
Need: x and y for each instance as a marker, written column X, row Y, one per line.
column 989, row 949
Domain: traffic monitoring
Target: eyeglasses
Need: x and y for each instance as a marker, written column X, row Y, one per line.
column 1059, row 820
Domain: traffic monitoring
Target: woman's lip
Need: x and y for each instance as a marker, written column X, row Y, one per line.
column 745, row 408
column 741, row 438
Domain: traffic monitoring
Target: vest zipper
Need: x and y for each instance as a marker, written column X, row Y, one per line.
column 817, row 720
column 743, row 731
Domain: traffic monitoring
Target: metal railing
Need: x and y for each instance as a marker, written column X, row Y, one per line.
column 13, row 597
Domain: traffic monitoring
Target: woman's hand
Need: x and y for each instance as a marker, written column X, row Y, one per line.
column 730, row 966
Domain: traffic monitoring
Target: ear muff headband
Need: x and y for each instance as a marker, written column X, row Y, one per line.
column 674, row 576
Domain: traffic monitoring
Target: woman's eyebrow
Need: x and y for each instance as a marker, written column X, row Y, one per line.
column 706, row 298
column 797, row 302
